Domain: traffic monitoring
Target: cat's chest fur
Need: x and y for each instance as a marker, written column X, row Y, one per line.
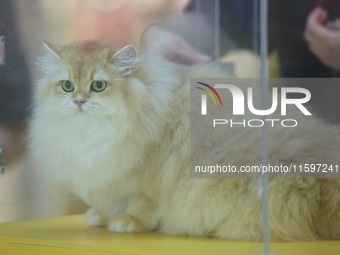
column 88, row 156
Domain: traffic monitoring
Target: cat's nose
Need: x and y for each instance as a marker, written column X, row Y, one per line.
column 79, row 102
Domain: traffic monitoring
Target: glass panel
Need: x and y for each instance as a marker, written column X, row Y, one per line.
column 289, row 59
column 298, row 49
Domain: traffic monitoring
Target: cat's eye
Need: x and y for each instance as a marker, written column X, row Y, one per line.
column 67, row 86
column 98, row 86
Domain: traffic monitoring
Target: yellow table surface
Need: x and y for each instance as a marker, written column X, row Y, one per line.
column 70, row 235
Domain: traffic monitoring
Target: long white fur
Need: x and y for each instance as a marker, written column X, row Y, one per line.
column 127, row 156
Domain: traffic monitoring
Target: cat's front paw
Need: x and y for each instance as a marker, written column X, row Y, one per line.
column 127, row 223
column 94, row 218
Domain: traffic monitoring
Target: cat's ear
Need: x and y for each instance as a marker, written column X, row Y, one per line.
column 47, row 62
column 126, row 59
column 51, row 49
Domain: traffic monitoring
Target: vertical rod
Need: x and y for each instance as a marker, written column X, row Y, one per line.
column 264, row 89
column 197, row 24
column 256, row 34
column 217, row 30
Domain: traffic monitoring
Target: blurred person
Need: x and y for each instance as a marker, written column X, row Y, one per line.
column 122, row 21
column 14, row 84
column 304, row 34
column 239, row 21
column 172, row 47
column 323, row 38
column 287, row 36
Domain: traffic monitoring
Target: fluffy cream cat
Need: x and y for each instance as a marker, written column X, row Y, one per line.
column 114, row 129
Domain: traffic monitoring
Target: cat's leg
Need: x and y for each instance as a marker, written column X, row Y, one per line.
column 95, row 218
column 328, row 221
column 138, row 217
column 293, row 208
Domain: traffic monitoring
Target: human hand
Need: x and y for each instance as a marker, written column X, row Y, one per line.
column 324, row 38
column 172, row 47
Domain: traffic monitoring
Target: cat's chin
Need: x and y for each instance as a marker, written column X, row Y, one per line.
column 80, row 110
column 74, row 113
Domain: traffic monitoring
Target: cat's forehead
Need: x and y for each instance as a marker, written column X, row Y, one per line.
column 87, row 52
column 86, row 61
